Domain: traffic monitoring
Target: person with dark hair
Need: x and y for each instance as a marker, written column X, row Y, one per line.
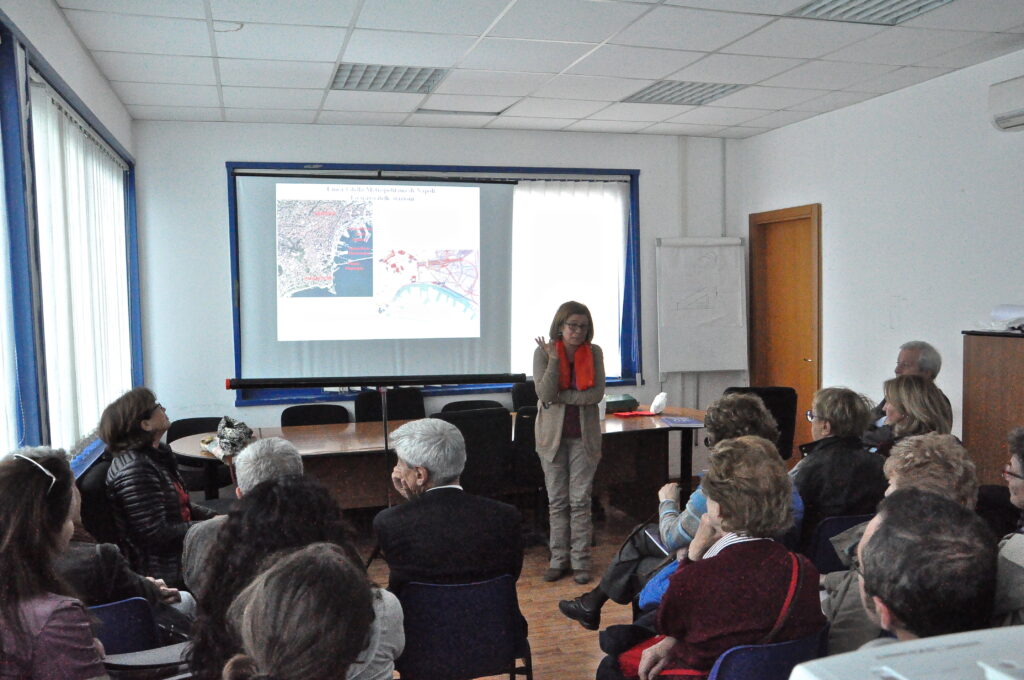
column 735, row 585
column 147, row 496
column 44, row 629
column 568, row 370
column 733, row 415
column 927, row 566
column 307, row 617
column 279, row 514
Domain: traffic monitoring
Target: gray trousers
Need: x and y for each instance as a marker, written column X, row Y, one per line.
column 570, row 480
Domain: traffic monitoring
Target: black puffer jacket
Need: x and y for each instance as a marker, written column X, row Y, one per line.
column 140, row 487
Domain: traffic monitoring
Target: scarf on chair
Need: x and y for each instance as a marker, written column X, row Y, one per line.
column 584, row 361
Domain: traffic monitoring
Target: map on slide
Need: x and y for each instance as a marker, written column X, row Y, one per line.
column 324, row 248
column 449, row 276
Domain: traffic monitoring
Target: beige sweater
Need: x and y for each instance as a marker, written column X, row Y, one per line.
column 551, row 405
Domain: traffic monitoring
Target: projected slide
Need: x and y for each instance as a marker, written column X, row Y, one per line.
column 366, row 261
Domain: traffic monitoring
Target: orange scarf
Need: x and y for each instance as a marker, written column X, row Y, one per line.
column 584, row 360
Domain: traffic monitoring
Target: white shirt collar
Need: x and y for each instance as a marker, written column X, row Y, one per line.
column 730, row 538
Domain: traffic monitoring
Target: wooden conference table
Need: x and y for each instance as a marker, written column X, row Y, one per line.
column 348, row 458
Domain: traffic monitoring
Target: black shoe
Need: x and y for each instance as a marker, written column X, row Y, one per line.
column 574, row 609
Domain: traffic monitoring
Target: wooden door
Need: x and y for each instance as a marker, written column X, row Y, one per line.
column 993, row 398
column 785, row 305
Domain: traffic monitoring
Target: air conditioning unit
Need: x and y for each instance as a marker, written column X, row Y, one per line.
column 1006, row 104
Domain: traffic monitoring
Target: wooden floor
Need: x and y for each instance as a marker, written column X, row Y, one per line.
column 562, row 649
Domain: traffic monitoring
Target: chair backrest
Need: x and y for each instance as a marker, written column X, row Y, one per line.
column 524, row 394
column 459, row 631
column 404, row 403
column 526, row 468
column 97, row 515
column 820, row 549
column 127, row 626
column 188, row 426
column 470, row 405
column 488, row 436
column 781, row 402
column 773, row 661
column 314, row 414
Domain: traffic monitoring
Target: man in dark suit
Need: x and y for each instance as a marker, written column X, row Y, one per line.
column 443, row 534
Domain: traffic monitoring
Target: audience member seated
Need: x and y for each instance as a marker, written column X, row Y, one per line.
column 443, row 534
column 279, row 514
column 837, row 476
column 307, row 617
column 928, row 567
column 937, row 463
column 147, row 496
column 733, row 415
column 915, row 358
column 735, row 586
column 44, row 630
column 914, row 405
column 260, row 461
column 1010, row 596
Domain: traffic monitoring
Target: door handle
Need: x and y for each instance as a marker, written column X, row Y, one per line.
column 810, row 361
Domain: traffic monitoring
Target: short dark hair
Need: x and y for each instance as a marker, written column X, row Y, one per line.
column 121, row 422
column 566, row 310
column 932, row 562
column 739, row 414
column 847, row 412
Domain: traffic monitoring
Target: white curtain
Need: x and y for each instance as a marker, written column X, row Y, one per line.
column 568, row 243
column 8, row 375
column 80, row 192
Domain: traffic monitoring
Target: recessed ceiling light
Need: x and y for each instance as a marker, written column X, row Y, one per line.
column 883, row 12
column 381, row 78
column 682, row 92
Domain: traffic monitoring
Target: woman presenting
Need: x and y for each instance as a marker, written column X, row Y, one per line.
column 569, row 373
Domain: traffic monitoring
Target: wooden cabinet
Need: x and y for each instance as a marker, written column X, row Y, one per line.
column 993, row 398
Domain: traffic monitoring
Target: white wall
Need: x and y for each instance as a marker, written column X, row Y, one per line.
column 922, row 218
column 44, row 25
column 183, row 227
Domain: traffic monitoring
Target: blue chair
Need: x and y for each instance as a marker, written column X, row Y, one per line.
column 127, row 626
column 820, row 549
column 463, row 631
column 774, row 661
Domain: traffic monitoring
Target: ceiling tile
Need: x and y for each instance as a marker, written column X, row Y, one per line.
column 464, row 17
column 308, row 12
column 360, row 118
column 633, row 62
column 555, row 108
column 900, row 46
column 688, row 29
column 805, row 38
column 832, row 101
column 718, row 115
column 757, row 97
column 734, row 68
column 462, row 102
column 271, row 98
column 972, row 15
column 523, row 123
column 184, row 9
column 591, row 125
column 156, row 94
column 533, row 56
column 440, row 120
column 174, row 113
column 152, row 35
column 989, row 47
column 262, row 115
column 155, row 68
column 775, row 7
column 682, row 129
column 406, row 49
column 591, row 87
column 828, row 75
column 651, row 113
column 392, row 102
column 506, row 83
column 740, row 132
column 577, row 20
column 780, row 118
column 264, row 73
column 264, row 41
column 900, row 78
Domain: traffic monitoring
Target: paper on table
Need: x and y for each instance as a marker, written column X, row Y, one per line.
column 681, row 421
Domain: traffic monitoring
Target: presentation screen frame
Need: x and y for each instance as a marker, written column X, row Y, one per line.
column 629, row 333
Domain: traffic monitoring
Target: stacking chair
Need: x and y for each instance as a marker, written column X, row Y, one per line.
column 527, row 473
column 488, row 436
column 127, row 626
column 314, row 414
column 404, row 403
column 470, row 405
column 206, row 476
column 463, row 631
column 820, row 549
column 97, row 516
column 781, row 402
column 774, row 661
column 524, row 394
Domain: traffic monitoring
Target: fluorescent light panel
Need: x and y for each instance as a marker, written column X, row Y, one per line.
column 882, row 12
column 682, row 92
column 381, row 78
